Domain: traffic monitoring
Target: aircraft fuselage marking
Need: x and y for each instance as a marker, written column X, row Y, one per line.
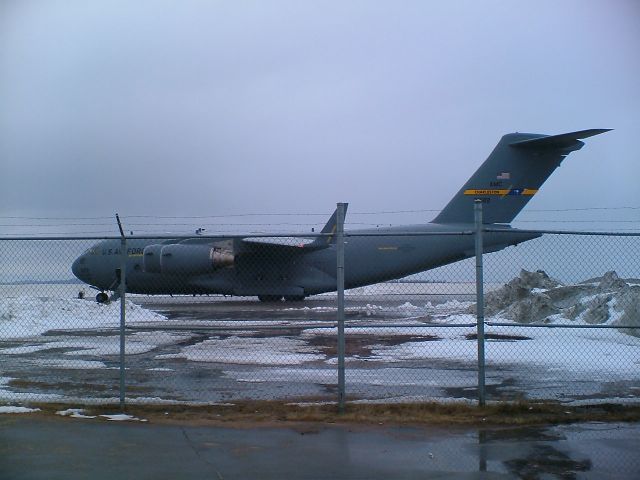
column 502, row 192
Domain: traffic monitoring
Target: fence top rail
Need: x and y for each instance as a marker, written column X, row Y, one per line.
column 318, row 235
column 172, row 237
column 408, row 234
column 567, row 232
column 240, row 237
column 59, row 238
column 557, row 325
column 331, row 324
column 328, row 326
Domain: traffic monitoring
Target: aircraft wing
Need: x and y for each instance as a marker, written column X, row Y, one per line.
column 284, row 242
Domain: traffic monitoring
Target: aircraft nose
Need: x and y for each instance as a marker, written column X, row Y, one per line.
column 80, row 269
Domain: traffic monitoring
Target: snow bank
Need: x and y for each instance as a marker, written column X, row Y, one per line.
column 29, row 316
column 534, row 297
column 524, row 298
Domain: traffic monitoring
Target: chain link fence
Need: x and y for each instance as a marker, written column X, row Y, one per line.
column 560, row 322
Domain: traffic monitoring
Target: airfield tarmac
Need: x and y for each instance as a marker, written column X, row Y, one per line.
column 401, row 347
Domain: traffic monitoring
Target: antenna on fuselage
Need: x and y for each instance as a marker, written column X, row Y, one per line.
column 119, row 225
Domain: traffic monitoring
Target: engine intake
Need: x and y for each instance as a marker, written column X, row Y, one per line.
column 151, row 258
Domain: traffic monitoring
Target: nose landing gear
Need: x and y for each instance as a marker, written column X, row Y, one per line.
column 103, row 297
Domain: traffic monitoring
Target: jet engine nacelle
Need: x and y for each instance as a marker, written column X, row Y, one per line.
column 151, row 258
column 179, row 259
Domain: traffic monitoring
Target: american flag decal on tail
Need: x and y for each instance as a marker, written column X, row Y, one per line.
column 504, row 176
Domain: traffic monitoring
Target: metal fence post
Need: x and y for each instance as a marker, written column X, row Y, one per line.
column 477, row 209
column 122, row 289
column 340, row 287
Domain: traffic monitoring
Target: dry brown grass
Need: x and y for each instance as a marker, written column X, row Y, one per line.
column 269, row 412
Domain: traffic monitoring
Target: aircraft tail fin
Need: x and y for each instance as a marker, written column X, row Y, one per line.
column 511, row 175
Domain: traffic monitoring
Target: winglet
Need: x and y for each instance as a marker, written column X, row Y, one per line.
column 326, row 238
column 329, row 228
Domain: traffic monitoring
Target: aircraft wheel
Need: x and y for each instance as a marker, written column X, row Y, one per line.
column 294, row 298
column 102, row 297
column 269, row 298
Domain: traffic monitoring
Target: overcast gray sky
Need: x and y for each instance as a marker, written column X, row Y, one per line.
column 209, row 108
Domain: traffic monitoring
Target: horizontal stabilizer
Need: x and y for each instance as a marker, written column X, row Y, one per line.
column 511, row 175
column 562, row 141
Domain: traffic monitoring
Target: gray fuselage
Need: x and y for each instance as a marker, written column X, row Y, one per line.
column 371, row 256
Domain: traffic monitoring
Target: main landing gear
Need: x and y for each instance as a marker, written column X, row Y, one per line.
column 293, row 298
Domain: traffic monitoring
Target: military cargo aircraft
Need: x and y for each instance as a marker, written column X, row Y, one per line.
column 292, row 268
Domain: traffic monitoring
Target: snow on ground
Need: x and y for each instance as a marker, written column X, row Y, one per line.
column 415, row 288
column 367, row 310
column 70, row 364
column 445, row 356
column 355, row 376
column 74, row 413
column 449, row 335
column 263, row 351
column 582, row 354
column 123, row 417
column 136, row 343
column 533, row 297
column 607, row 353
column 10, row 409
column 406, row 309
column 11, row 396
column 30, row 316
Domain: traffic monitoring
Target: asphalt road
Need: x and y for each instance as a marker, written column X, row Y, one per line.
column 33, row 447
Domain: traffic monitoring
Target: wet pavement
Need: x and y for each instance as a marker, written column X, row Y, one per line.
column 34, row 447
